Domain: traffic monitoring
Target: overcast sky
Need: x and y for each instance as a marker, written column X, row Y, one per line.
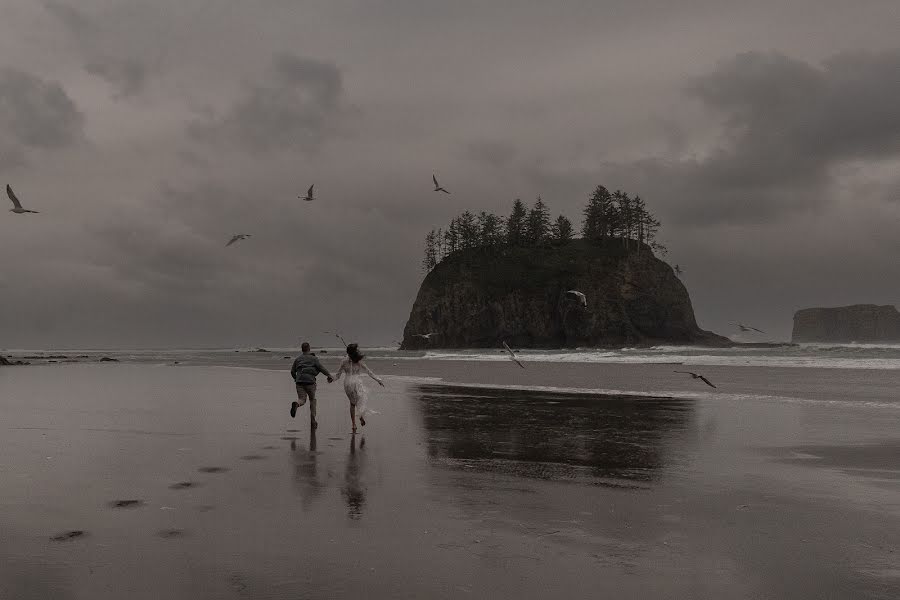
column 765, row 135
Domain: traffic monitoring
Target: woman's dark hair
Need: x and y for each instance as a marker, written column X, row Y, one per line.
column 354, row 353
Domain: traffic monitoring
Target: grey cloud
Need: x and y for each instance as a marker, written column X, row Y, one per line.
column 121, row 68
column 127, row 75
column 35, row 113
column 788, row 124
column 71, row 17
column 296, row 107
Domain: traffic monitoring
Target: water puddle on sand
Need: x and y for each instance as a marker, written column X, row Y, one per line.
column 126, row 503
column 213, row 469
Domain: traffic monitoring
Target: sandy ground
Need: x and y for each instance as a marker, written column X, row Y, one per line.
column 194, row 482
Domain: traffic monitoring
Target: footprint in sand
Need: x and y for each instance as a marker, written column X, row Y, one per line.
column 290, row 439
column 292, row 430
column 213, row 469
column 253, row 457
column 270, row 447
column 68, row 535
column 169, row 534
column 183, row 485
column 126, row 503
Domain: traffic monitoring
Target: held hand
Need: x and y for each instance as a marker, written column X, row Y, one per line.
column 381, row 383
column 330, row 379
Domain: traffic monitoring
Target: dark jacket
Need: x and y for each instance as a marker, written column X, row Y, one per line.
column 305, row 369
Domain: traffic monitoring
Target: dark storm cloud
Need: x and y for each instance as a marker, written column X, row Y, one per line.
column 127, row 75
column 787, row 126
column 74, row 20
column 34, row 114
column 125, row 72
column 295, row 108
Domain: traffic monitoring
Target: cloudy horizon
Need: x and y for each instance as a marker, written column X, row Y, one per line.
column 766, row 139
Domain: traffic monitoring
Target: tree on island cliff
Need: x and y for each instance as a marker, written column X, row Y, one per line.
column 562, row 230
column 606, row 215
column 490, row 229
column 537, row 226
column 599, row 215
column 431, row 257
column 515, row 224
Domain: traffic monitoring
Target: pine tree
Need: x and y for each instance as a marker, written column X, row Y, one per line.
column 430, row 259
column 489, row 226
column 440, row 245
column 515, row 224
column 598, row 215
column 468, row 230
column 640, row 218
column 537, row 226
column 451, row 238
column 562, row 230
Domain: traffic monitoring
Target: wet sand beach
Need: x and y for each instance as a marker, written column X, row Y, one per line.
column 143, row 481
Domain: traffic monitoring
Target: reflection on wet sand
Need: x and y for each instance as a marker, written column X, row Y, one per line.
column 552, row 436
column 354, row 488
column 306, row 472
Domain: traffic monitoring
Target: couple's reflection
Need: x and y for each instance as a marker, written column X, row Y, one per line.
column 306, row 472
column 311, row 479
column 354, row 489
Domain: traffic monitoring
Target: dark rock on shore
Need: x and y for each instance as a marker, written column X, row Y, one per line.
column 4, row 362
column 108, row 359
column 476, row 298
column 855, row 323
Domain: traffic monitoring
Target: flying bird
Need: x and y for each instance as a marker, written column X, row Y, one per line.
column 425, row 336
column 678, row 270
column 512, row 355
column 576, row 295
column 697, row 376
column 236, row 238
column 17, row 206
column 309, row 194
column 745, row 328
column 437, row 187
column 337, row 335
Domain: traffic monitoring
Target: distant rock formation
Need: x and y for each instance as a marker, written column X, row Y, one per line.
column 856, row 323
column 476, row 298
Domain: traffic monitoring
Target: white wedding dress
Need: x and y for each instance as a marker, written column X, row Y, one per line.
column 353, row 385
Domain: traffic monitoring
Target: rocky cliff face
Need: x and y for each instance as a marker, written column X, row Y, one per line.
column 856, row 323
column 477, row 298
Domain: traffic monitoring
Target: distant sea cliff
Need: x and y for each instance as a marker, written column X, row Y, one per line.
column 480, row 296
column 864, row 323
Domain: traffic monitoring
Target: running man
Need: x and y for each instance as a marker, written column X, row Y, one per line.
column 305, row 369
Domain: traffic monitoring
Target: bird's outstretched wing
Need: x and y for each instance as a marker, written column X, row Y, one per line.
column 434, row 179
column 232, row 240
column 706, row 381
column 309, row 192
column 12, row 196
column 759, row 330
column 512, row 355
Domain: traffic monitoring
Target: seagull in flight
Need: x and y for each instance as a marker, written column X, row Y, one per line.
column 746, row 328
column 236, row 238
column 337, row 335
column 437, row 187
column 678, row 270
column 576, row 295
column 17, row 206
column 425, row 336
column 309, row 194
column 696, row 376
column 512, row 355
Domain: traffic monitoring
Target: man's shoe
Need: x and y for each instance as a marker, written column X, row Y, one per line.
column 294, row 406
